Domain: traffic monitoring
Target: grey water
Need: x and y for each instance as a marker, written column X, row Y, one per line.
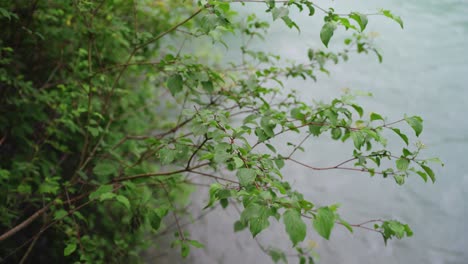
column 424, row 72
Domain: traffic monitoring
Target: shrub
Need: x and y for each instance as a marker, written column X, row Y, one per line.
column 101, row 122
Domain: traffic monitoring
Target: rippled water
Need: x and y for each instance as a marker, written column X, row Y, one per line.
column 425, row 72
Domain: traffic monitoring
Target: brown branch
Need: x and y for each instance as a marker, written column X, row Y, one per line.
column 38, row 213
column 213, row 176
column 179, row 228
column 31, row 246
column 361, row 225
column 337, row 167
column 3, row 139
column 392, row 123
column 50, row 224
column 152, row 174
column 25, row 223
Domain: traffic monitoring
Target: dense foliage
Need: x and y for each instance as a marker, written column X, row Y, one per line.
column 103, row 120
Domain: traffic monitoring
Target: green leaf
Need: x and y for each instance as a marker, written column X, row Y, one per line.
column 7, row 14
column 287, row 20
column 399, row 178
column 257, row 225
column 224, row 203
column 270, row 147
column 123, row 200
column 279, row 12
column 101, row 190
column 185, row 250
column 428, row 171
column 406, row 152
column 239, row 226
column 402, row 136
column 324, row 222
column 196, row 244
column 277, row 255
column 69, row 249
column 50, row 185
column 375, row 116
column 175, row 83
column 358, row 109
column 402, row 164
column 423, row 175
column 327, row 32
column 251, row 211
column 360, row 19
column 4, row 13
column 358, row 139
column 336, row 133
column 379, row 56
column 4, row 174
column 106, row 196
column 268, row 126
column 332, row 116
column 80, row 216
column 310, row 55
column 295, row 226
column 105, row 168
column 436, row 160
column 238, row 162
column 315, row 130
column 302, row 260
column 257, row 217
column 346, row 24
column 389, row 14
column 416, row 123
column 155, row 220
column 94, row 131
column 167, row 155
column 250, row 119
column 246, row 176
column 396, row 229
column 311, row 8
column 222, row 152
column 345, row 224
column 58, row 215
column 279, row 163
column 214, row 189
column 260, row 133
column 208, row 86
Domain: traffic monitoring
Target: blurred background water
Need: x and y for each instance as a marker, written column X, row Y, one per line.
column 424, row 72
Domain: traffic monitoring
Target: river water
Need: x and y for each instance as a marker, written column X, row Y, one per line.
column 424, row 72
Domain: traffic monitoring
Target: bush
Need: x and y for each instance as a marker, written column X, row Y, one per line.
column 101, row 122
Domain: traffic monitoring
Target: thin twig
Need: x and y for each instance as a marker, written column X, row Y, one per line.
column 299, row 145
column 196, row 151
column 31, row 246
column 179, row 228
column 213, row 176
